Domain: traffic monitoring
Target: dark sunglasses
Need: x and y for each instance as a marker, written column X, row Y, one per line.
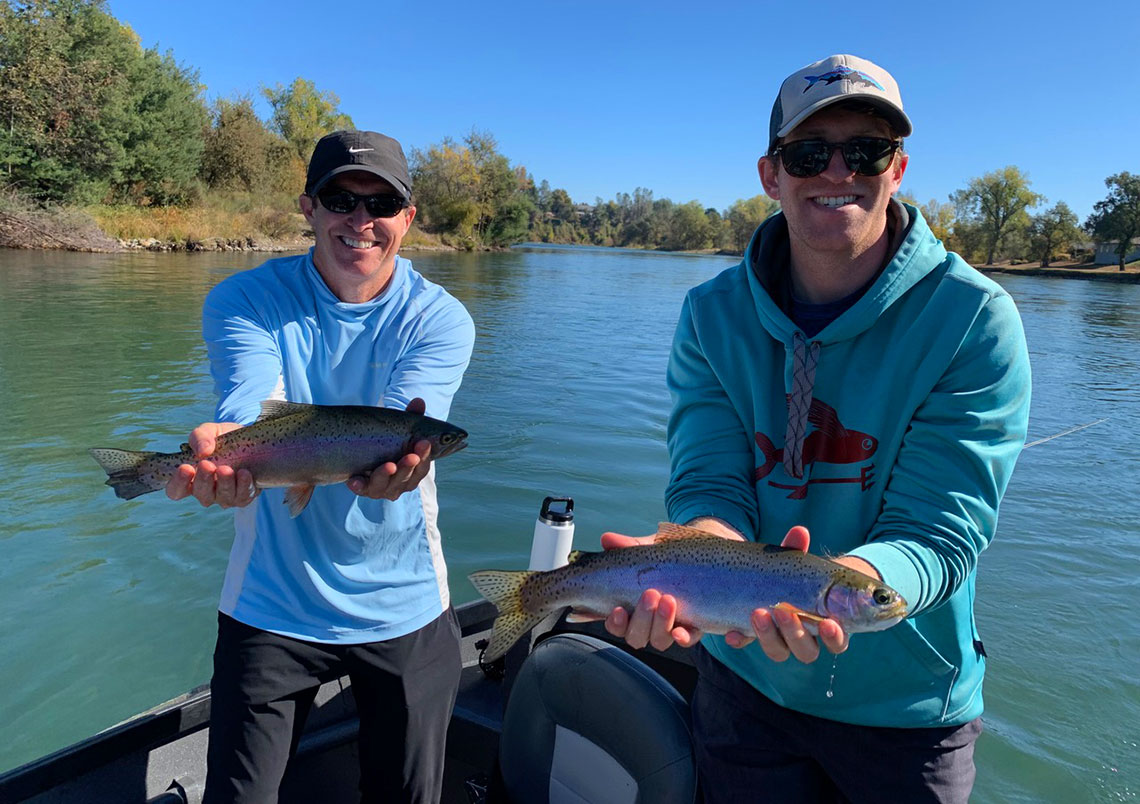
column 342, row 202
column 867, row 156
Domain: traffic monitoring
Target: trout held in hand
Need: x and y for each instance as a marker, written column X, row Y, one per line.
column 717, row 583
column 295, row 445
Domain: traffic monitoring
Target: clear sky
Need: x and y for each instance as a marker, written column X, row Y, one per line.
column 602, row 97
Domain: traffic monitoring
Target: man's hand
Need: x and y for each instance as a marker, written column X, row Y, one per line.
column 781, row 633
column 209, row 483
column 389, row 480
column 653, row 622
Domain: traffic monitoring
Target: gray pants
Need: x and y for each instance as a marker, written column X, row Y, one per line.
column 264, row 685
column 751, row 749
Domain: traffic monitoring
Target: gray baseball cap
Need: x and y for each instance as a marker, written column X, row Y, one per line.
column 369, row 151
column 832, row 80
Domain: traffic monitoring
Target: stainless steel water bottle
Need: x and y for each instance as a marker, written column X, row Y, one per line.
column 553, row 534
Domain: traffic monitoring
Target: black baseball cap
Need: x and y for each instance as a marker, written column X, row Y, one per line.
column 369, row 151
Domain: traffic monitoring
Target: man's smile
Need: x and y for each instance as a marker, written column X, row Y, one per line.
column 359, row 244
column 835, row 201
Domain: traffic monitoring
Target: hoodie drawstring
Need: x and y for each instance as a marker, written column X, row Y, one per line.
column 804, row 359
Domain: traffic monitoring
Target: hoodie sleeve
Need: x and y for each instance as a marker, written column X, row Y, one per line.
column 711, row 461
column 940, row 508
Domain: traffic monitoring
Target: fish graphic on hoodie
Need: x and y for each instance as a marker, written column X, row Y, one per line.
column 829, row 442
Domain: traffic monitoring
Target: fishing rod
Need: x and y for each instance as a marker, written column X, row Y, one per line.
column 1064, row 433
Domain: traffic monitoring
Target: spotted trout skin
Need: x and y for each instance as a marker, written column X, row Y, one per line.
column 717, row 584
column 293, row 445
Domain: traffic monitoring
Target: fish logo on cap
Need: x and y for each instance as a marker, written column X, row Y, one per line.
column 842, row 73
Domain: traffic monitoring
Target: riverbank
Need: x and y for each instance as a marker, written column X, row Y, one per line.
column 244, row 224
column 229, row 223
column 1069, row 270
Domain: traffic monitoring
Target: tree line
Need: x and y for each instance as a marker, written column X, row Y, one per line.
column 89, row 116
column 992, row 219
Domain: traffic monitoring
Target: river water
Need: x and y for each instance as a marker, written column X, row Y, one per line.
column 108, row 606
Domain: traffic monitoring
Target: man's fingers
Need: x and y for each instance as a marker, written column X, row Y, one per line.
column 179, row 486
column 660, row 631
column 641, row 622
column 833, row 636
column 225, row 486
column 768, row 634
column 612, row 540
column 735, row 639
column 203, row 440
column 797, row 538
column 204, row 483
column 618, row 622
column 801, row 644
column 686, row 637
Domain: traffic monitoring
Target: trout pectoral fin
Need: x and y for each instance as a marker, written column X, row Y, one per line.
column 584, row 616
column 810, row 617
column 297, row 497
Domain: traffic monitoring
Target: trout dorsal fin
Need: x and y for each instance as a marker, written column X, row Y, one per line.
column 272, row 408
column 574, row 556
column 668, row 531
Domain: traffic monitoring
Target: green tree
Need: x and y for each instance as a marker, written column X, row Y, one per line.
column 162, row 152
column 997, row 203
column 689, row 228
column 744, row 216
column 471, row 192
column 1117, row 217
column 1053, row 231
column 939, row 217
column 242, row 154
column 86, row 112
column 302, row 114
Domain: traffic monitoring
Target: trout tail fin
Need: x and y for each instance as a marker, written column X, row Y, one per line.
column 123, row 468
column 503, row 588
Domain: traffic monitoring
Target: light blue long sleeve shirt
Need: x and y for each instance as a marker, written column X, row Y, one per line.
column 348, row 569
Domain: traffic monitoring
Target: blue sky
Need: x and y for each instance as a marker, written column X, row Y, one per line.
column 600, row 98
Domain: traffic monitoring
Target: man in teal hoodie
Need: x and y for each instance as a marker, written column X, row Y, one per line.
column 852, row 380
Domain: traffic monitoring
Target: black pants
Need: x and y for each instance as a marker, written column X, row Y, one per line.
column 751, row 749
column 264, row 685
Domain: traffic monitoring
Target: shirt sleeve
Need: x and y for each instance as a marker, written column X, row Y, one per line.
column 245, row 361
column 711, row 459
column 433, row 365
column 941, row 504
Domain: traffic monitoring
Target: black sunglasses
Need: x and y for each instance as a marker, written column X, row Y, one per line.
column 867, row 156
column 342, row 202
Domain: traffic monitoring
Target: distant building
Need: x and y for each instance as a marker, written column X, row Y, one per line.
column 1106, row 252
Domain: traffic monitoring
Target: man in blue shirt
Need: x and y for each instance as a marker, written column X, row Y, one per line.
column 850, row 379
column 356, row 584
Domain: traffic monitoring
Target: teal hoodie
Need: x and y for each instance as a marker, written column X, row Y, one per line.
column 905, row 414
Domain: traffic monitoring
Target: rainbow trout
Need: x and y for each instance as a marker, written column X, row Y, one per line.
column 293, row 445
column 717, row 584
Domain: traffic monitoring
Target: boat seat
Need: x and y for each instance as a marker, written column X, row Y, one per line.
column 587, row 723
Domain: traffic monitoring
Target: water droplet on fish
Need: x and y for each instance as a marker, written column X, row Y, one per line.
column 831, row 682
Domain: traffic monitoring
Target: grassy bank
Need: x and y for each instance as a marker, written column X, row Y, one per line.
column 1069, row 270
column 218, row 223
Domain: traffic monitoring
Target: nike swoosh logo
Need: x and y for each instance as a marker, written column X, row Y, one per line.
column 359, row 150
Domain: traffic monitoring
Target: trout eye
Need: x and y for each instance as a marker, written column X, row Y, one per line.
column 882, row 596
column 447, row 438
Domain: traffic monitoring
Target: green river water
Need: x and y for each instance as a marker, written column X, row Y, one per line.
column 108, row 606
